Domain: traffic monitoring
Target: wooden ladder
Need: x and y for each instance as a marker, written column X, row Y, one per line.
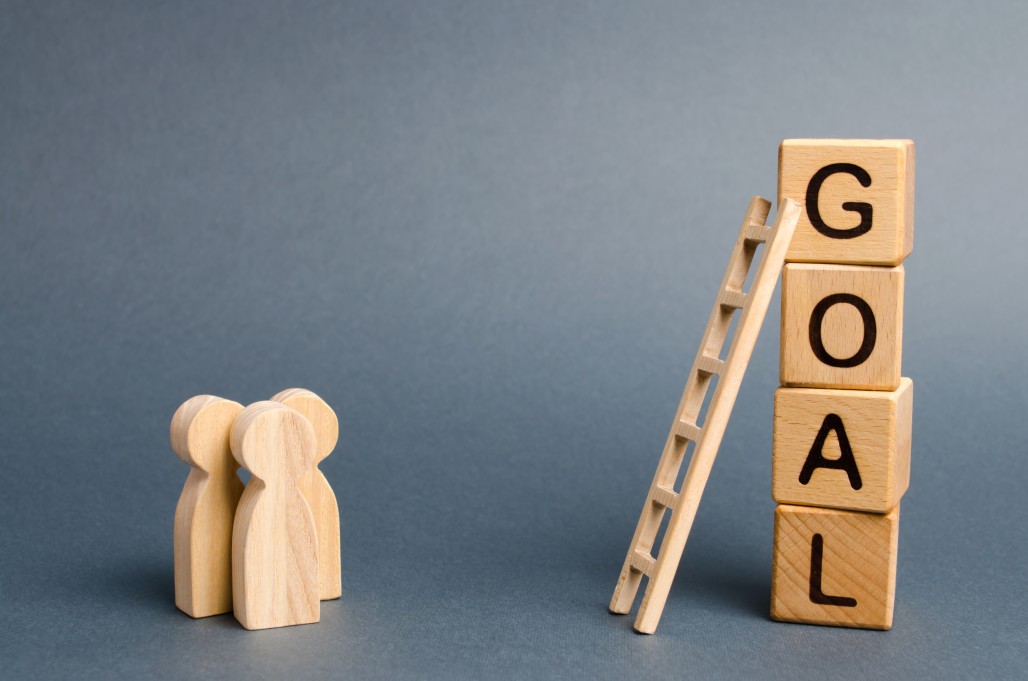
column 660, row 569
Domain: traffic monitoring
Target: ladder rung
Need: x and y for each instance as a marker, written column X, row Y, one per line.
column 734, row 299
column 643, row 562
column 665, row 497
column 709, row 365
column 758, row 233
column 687, row 431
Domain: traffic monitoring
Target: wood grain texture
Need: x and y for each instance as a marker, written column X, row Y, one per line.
column 315, row 487
column 857, row 563
column 843, row 332
column 889, row 195
column 206, row 508
column 687, row 426
column 274, row 544
column 873, row 425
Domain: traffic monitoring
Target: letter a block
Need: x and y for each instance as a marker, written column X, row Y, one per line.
column 858, row 197
column 846, row 449
column 842, row 326
column 834, row 567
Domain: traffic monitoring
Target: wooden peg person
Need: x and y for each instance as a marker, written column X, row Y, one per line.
column 204, row 516
column 315, row 487
column 274, row 541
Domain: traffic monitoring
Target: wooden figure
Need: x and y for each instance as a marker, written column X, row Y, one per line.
column 707, row 432
column 858, row 196
column 842, row 326
column 315, row 487
column 275, row 542
column 206, row 508
column 846, row 449
column 834, row 567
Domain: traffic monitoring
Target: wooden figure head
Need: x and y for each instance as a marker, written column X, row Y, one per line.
column 317, row 411
column 200, row 430
column 273, row 442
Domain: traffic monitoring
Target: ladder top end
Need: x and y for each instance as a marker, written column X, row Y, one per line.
column 758, row 210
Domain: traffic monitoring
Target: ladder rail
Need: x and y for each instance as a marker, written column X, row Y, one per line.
column 753, row 304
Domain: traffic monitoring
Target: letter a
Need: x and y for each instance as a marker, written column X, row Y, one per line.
column 816, row 458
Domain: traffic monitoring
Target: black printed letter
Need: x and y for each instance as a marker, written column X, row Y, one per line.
column 864, row 209
column 867, row 345
column 817, row 548
column 816, row 458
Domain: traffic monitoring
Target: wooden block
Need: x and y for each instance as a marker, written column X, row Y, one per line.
column 315, row 487
column 858, row 197
column 275, row 541
column 207, row 506
column 834, row 567
column 846, row 449
column 842, row 326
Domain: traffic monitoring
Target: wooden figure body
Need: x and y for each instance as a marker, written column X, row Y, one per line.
column 315, row 487
column 204, row 516
column 274, row 542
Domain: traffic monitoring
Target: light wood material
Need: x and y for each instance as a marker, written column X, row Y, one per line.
column 315, row 487
column 686, row 426
column 836, row 172
column 860, row 310
column 867, row 432
column 857, row 563
column 274, row 543
column 206, row 508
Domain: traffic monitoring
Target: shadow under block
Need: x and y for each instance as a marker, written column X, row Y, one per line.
column 845, row 449
column 842, row 326
column 834, row 567
column 858, row 197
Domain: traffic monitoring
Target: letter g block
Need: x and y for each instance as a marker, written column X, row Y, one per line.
column 858, row 197
column 842, row 326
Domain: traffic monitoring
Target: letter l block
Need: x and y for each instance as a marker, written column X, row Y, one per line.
column 834, row 567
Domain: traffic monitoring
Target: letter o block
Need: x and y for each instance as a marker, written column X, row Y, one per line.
column 846, row 449
column 834, row 567
column 842, row 326
column 858, row 197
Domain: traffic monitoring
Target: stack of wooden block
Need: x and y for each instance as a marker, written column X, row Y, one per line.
column 842, row 426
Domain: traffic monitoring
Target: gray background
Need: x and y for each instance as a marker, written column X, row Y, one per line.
column 489, row 235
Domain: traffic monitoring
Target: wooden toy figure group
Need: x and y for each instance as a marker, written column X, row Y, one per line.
column 268, row 552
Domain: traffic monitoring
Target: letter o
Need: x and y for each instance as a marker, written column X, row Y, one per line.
column 867, row 345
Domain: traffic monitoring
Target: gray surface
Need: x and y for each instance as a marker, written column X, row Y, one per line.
column 489, row 236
